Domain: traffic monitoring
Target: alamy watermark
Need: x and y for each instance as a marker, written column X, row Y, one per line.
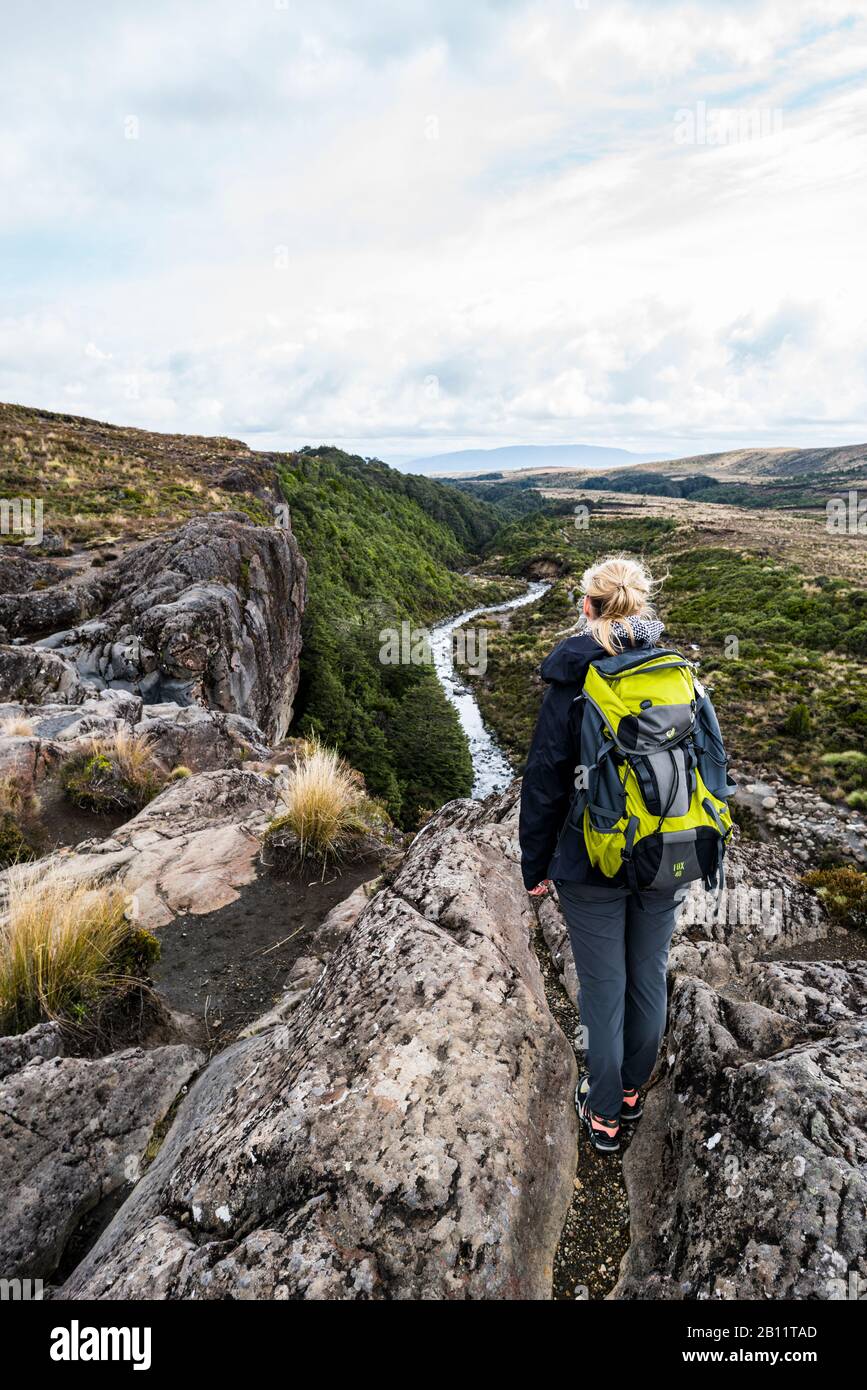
column 78, row 1343
column 846, row 515
column 725, row 125
column 411, row 646
column 21, row 1290
column 22, row 516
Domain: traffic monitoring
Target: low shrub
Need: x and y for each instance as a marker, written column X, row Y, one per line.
column 114, row 773
column 798, row 723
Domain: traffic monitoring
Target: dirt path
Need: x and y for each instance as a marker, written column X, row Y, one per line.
column 596, row 1230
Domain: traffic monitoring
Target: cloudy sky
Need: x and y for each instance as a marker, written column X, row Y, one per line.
column 410, row 226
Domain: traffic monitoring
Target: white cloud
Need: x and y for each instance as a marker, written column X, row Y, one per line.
column 327, row 210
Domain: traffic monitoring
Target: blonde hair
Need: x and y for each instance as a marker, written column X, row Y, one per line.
column 619, row 589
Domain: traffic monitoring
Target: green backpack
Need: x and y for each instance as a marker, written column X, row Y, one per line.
column 652, row 808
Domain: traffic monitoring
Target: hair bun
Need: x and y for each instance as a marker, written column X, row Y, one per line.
column 619, row 589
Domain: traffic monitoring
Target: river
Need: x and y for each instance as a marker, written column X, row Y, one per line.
column 491, row 768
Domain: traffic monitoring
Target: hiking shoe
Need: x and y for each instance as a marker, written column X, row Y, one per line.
column 632, row 1108
column 603, row 1134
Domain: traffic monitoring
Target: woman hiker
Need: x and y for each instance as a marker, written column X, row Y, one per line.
column 620, row 939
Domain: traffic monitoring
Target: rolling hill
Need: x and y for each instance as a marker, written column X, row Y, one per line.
column 526, row 456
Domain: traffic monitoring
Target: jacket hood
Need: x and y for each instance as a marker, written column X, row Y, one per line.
column 567, row 663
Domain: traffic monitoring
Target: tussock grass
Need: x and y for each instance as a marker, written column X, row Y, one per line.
column 131, row 755
column 325, row 805
column 118, row 771
column 17, row 726
column 19, row 807
column 67, row 949
column 16, row 798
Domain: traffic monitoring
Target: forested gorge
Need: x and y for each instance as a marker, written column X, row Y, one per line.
column 382, row 548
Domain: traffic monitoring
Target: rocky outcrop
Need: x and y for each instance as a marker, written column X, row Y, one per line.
column 403, row 1135
column 209, row 614
column 45, row 1040
column 36, row 741
column 101, row 713
column 203, row 740
column 21, row 572
column 189, row 850
column 746, row 1177
column 73, row 1131
column 398, row 1124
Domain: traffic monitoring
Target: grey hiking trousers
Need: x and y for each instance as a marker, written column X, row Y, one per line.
column 620, row 947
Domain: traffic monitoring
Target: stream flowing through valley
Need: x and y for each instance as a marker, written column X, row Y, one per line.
column 491, row 768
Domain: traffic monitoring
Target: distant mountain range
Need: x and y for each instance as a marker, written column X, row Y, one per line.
column 527, row 456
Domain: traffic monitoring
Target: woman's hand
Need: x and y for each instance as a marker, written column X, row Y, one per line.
column 540, row 890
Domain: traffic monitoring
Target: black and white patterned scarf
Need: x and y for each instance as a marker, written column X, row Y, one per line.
column 647, row 630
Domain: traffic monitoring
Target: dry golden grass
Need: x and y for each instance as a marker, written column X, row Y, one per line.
column 64, row 946
column 17, row 798
column 17, row 726
column 324, row 802
column 131, row 754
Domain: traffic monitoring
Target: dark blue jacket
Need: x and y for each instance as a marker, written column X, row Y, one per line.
column 549, row 776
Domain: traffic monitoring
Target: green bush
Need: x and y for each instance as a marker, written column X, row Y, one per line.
column 15, row 847
column 798, row 723
column 844, row 894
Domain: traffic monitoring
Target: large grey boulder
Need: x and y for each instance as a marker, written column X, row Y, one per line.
column 17, row 1049
column 407, row 1134
column 21, row 571
column 37, row 676
column 73, row 1131
column 203, row 740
